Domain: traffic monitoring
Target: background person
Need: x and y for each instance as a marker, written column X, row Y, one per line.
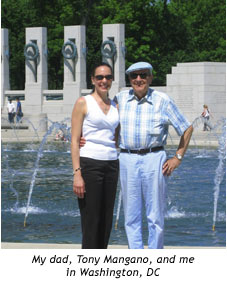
column 145, row 115
column 96, row 164
column 206, row 115
column 11, row 111
column 19, row 113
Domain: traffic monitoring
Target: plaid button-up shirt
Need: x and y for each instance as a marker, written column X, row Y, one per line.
column 144, row 123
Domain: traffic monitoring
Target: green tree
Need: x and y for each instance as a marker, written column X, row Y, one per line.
column 15, row 23
column 205, row 25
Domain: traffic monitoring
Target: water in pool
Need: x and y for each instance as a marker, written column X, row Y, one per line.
column 53, row 215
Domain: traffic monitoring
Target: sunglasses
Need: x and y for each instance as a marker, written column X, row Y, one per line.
column 134, row 75
column 101, row 77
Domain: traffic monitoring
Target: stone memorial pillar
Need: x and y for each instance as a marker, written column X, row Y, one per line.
column 5, row 85
column 116, row 34
column 74, row 52
column 36, row 78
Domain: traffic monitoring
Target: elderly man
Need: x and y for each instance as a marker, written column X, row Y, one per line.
column 145, row 115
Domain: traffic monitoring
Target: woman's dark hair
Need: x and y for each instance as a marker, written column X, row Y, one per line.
column 100, row 65
column 94, row 69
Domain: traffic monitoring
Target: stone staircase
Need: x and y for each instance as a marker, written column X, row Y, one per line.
column 199, row 138
column 21, row 132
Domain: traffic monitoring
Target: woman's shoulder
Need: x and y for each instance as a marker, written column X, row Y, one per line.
column 80, row 105
column 81, row 101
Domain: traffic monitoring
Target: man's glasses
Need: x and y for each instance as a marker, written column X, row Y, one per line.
column 101, row 77
column 134, row 75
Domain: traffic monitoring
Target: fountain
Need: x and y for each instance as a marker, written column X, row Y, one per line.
column 59, row 126
column 40, row 186
column 220, row 171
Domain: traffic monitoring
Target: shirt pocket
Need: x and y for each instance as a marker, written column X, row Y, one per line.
column 155, row 127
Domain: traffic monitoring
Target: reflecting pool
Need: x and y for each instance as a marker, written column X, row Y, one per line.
column 53, row 214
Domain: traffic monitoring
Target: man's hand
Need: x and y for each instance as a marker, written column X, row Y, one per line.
column 170, row 165
column 82, row 142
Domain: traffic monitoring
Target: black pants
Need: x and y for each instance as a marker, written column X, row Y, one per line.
column 96, row 208
column 11, row 117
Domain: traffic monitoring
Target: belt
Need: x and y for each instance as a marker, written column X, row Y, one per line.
column 142, row 151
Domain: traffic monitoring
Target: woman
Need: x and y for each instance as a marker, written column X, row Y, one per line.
column 95, row 165
column 206, row 115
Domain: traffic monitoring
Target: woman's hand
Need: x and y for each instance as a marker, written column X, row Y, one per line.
column 79, row 186
column 170, row 165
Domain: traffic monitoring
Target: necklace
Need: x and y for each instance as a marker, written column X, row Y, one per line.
column 103, row 104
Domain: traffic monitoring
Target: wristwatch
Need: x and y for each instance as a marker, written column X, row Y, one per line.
column 179, row 157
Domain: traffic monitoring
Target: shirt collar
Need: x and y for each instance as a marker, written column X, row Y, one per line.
column 147, row 97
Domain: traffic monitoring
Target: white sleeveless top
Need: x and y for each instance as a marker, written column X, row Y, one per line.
column 98, row 130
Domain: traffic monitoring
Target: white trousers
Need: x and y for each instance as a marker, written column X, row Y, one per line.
column 142, row 179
